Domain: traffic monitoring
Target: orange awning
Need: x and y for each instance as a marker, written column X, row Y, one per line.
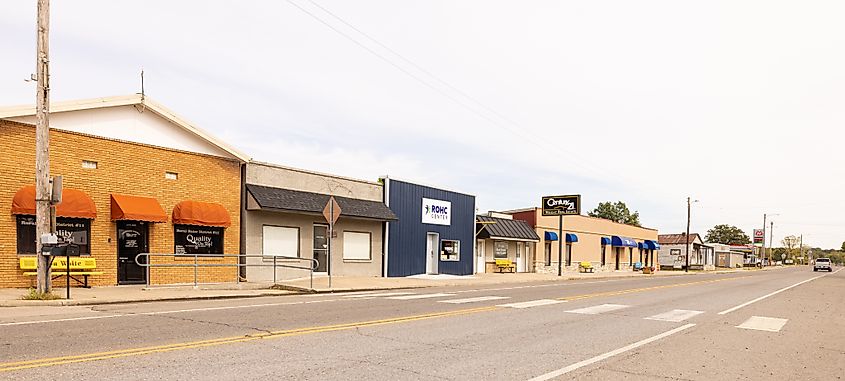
column 201, row 213
column 136, row 208
column 75, row 203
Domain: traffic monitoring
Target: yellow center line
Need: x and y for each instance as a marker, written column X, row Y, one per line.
column 46, row 362
column 20, row 365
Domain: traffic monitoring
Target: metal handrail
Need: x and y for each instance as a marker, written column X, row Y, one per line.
column 197, row 264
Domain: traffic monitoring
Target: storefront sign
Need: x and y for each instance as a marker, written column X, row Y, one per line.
column 501, row 250
column 759, row 237
column 198, row 240
column 437, row 212
column 69, row 230
column 562, row 205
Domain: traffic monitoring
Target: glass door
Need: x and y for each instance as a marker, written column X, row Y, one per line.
column 132, row 239
column 321, row 247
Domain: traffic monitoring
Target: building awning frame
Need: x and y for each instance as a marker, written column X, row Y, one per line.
column 201, row 214
column 75, row 203
column 136, row 208
column 618, row 241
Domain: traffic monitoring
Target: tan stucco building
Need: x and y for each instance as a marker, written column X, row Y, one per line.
column 607, row 245
column 284, row 220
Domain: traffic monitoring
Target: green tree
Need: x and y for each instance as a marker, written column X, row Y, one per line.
column 843, row 246
column 727, row 235
column 617, row 212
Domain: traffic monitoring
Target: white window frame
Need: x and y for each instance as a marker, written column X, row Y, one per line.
column 457, row 254
column 347, row 247
column 264, row 252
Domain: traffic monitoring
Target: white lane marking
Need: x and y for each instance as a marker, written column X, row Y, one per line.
column 59, row 320
column 378, row 295
column 533, row 303
column 761, row 323
column 578, row 365
column 602, row 308
column 732, row 309
column 422, row 296
column 676, row 316
column 473, row 300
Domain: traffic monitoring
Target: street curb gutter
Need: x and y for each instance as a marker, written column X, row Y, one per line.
column 293, row 290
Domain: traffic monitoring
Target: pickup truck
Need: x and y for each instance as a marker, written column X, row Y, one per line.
column 822, row 264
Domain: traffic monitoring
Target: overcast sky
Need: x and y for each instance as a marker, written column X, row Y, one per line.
column 738, row 104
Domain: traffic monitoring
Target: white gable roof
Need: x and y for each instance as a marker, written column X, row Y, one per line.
column 131, row 118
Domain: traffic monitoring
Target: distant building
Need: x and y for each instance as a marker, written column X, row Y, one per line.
column 673, row 254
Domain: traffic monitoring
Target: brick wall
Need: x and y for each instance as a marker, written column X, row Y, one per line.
column 123, row 168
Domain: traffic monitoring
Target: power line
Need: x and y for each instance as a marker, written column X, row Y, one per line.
column 539, row 143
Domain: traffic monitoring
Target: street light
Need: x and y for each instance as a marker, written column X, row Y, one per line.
column 763, row 255
column 689, row 207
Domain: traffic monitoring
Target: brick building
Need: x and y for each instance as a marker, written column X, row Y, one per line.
column 137, row 178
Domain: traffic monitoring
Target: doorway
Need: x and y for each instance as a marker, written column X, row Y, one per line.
column 132, row 239
column 520, row 259
column 321, row 248
column 618, row 250
column 480, row 263
column 432, row 258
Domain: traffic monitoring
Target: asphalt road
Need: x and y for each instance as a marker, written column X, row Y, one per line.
column 775, row 325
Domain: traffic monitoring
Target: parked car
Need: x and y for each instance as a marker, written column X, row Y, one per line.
column 822, row 264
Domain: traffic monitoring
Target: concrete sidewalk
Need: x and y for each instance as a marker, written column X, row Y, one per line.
column 12, row 297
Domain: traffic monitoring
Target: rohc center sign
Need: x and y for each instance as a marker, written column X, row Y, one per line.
column 562, row 205
column 437, row 212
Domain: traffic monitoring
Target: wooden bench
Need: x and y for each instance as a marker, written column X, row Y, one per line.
column 505, row 264
column 79, row 266
column 585, row 267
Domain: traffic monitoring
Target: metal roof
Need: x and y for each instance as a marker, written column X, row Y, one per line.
column 307, row 202
column 506, row 229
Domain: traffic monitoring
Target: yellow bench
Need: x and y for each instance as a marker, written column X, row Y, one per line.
column 505, row 264
column 79, row 266
column 585, row 267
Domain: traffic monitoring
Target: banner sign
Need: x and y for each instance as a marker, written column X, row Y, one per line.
column 437, row 212
column 759, row 237
column 562, row 205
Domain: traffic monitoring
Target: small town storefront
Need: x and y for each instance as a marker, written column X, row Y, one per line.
column 434, row 233
column 284, row 224
column 501, row 237
column 606, row 245
column 120, row 199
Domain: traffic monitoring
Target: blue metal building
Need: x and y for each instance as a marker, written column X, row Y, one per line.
column 434, row 232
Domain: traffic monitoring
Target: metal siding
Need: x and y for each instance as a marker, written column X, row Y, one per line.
column 407, row 241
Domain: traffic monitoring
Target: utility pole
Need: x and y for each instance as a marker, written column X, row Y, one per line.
column 772, row 232
column 42, row 144
column 763, row 246
column 801, row 248
column 686, row 269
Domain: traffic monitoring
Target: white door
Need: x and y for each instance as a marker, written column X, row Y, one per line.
column 480, row 263
column 431, row 249
column 520, row 258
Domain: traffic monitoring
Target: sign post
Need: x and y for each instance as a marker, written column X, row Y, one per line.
column 561, row 206
column 331, row 212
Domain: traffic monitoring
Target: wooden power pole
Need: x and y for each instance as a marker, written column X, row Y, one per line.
column 42, row 144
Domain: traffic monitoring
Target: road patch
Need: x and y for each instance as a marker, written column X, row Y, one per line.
column 762, row 323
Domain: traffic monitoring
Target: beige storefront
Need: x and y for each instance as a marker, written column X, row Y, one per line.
column 501, row 237
column 284, row 220
column 607, row 245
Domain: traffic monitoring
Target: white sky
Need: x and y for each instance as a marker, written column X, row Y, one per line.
column 735, row 103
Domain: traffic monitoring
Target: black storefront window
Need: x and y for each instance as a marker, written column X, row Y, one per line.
column 74, row 230
column 190, row 240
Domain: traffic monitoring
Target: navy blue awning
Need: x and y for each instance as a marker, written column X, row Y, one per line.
column 550, row 236
column 622, row 241
column 571, row 237
column 650, row 245
column 640, row 245
column 605, row 241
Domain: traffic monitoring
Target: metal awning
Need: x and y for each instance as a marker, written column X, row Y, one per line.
column 622, row 241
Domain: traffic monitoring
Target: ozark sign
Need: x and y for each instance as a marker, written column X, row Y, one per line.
column 562, row 205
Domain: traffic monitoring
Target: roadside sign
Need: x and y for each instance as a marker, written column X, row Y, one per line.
column 332, row 211
column 562, row 205
column 759, row 237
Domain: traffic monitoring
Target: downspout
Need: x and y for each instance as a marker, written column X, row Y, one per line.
column 386, row 230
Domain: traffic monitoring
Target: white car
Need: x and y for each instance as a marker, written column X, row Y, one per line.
column 822, row 264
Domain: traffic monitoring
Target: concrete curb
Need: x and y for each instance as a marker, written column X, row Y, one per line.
column 294, row 290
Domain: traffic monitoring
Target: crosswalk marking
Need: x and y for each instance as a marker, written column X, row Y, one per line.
column 378, row 295
column 761, row 323
column 473, row 300
column 533, row 303
column 676, row 316
column 422, row 296
column 602, row 308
